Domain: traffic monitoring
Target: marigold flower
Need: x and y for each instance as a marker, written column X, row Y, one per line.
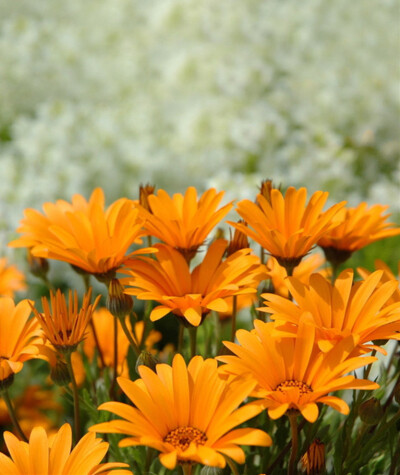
column 386, row 276
column 168, row 280
column 355, row 229
column 285, row 226
column 11, row 279
column 45, row 455
column 19, row 337
column 184, row 221
column 83, row 233
column 313, row 461
column 291, row 372
column 341, row 309
column 186, row 413
column 63, row 324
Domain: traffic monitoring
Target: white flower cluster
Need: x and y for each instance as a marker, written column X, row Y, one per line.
column 177, row 92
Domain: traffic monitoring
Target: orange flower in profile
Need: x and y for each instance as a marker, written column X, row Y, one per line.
column 356, row 228
column 19, row 337
column 284, row 225
column 186, row 413
column 302, row 272
column 386, row 276
column 192, row 295
column 45, row 455
column 63, row 324
column 313, row 461
column 83, row 233
column 184, row 221
column 291, row 372
column 11, row 279
column 339, row 310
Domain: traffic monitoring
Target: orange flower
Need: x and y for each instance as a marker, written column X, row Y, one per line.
column 314, row 459
column 11, row 279
column 341, row 309
column 83, row 233
column 184, row 221
column 50, row 456
column 19, row 337
column 356, row 228
column 386, row 276
column 302, row 272
column 291, row 372
column 186, row 413
column 285, row 226
column 192, row 295
column 65, row 325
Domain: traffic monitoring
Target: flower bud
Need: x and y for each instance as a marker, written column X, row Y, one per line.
column 39, row 266
column 238, row 241
column 118, row 303
column 59, row 373
column 146, row 359
column 144, row 192
column 313, row 461
column 370, row 411
column 211, row 471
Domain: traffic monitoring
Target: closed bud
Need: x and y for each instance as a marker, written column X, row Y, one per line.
column 313, row 461
column 144, row 192
column 265, row 189
column 238, row 241
column 370, row 411
column 59, row 373
column 39, row 266
column 146, row 359
column 211, row 471
column 118, row 303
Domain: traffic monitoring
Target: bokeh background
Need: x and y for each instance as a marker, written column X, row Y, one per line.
column 114, row 93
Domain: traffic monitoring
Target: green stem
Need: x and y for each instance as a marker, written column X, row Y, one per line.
column 233, row 322
column 13, row 416
column 128, row 334
column 335, row 270
column 180, row 338
column 232, row 466
column 115, row 362
column 295, row 443
column 96, row 340
column 193, row 341
column 75, row 393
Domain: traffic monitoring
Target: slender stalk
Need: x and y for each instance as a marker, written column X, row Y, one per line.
column 193, row 341
column 233, row 322
column 295, row 443
column 128, row 334
column 115, row 362
column 13, row 416
column 232, row 466
column 96, row 340
column 335, row 270
column 180, row 338
column 77, row 422
column 187, row 468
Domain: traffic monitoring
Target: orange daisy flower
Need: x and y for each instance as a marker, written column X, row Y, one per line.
column 49, row 456
column 63, row 324
column 284, row 225
column 291, row 372
column 356, row 228
column 19, row 337
column 186, row 413
column 341, row 309
column 184, row 221
column 11, row 279
column 192, row 295
column 83, row 233
column 386, row 276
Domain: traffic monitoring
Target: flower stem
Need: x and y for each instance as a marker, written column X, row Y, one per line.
column 193, row 341
column 97, row 343
column 295, row 443
column 115, row 362
column 77, row 422
column 11, row 411
column 187, row 469
column 233, row 323
column 180, row 337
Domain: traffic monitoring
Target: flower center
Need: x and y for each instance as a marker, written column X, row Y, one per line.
column 292, row 383
column 181, row 437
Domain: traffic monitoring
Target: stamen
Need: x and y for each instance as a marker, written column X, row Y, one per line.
column 181, row 437
column 292, row 383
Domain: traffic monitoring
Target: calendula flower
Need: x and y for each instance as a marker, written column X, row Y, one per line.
column 356, row 228
column 11, row 279
column 339, row 310
column 303, row 271
column 313, row 461
column 291, row 372
column 386, row 276
column 184, row 221
column 83, row 233
column 45, row 455
column 19, row 337
column 191, row 295
column 284, row 225
column 187, row 413
column 64, row 324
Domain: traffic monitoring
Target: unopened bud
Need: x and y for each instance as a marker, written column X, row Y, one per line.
column 118, row 303
column 39, row 266
column 211, row 471
column 313, row 461
column 238, row 241
column 59, row 373
column 144, row 192
column 265, row 189
column 146, row 359
column 370, row 411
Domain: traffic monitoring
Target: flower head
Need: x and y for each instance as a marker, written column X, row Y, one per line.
column 64, row 324
column 83, row 233
column 168, row 280
column 291, row 372
column 186, row 413
column 11, row 279
column 45, row 455
column 341, row 309
column 284, row 225
column 184, row 221
column 19, row 336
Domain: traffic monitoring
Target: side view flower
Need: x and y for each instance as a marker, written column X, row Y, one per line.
column 11, row 279
column 187, row 413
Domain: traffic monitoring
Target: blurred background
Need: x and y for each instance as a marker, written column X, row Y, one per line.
column 115, row 93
